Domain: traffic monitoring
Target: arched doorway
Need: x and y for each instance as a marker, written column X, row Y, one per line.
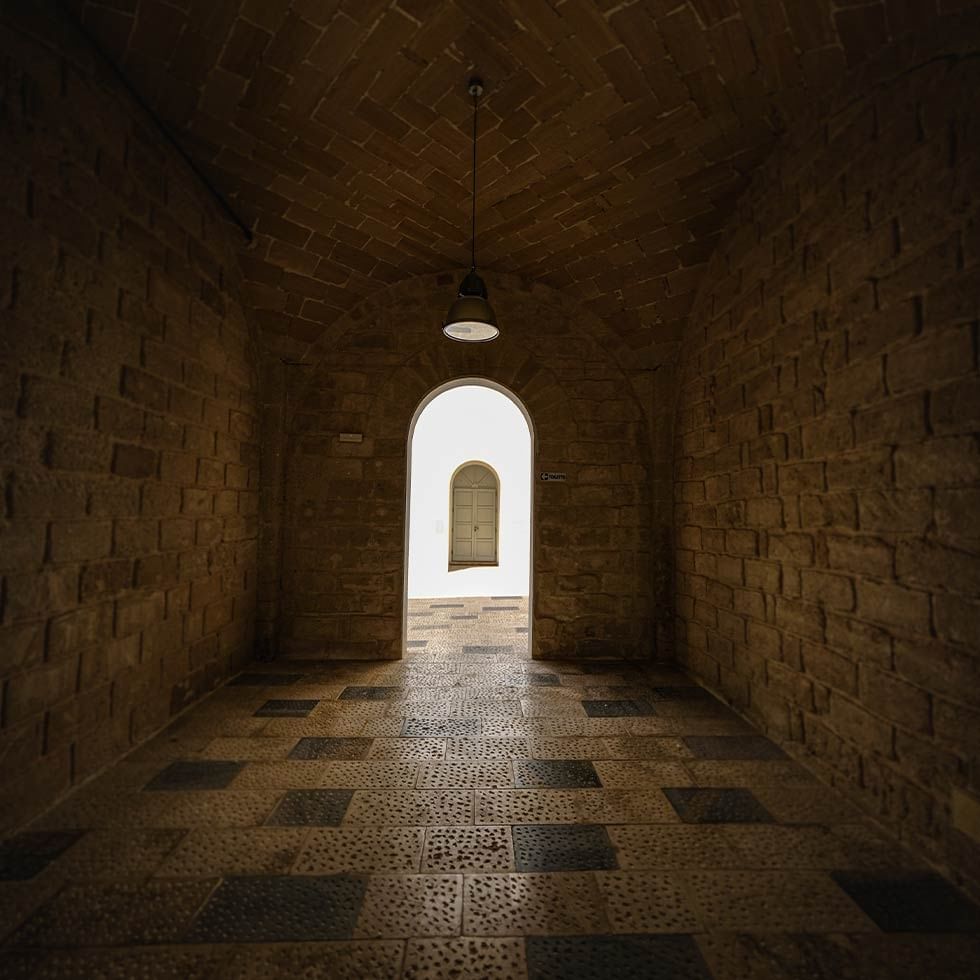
column 469, row 503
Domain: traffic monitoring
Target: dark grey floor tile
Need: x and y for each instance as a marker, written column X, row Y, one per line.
column 416, row 644
column 733, row 747
column 195, row 774
column 555, row 773
column 25, row 855
column 114, row 913
column 470, row 616
column 629, row 957
column 618, row 709
column 697, row 805
column 312, row 807
column 544, row 680
column 441, row 727
column 520, row 629
column 563, row 847
column 265, row 680
column 913, row 902
column 355, row 693
column 328, row 747
column 286, row 709
column 500, row 608
column 683, row 692
column 280, row 908
column 505, row 598
column 447, row 605
column 469, row 648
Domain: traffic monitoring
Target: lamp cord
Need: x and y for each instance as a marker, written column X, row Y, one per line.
column 476, row 100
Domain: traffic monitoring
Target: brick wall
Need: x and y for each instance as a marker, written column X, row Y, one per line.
column 827, row 466
column 127, row 426
column 344, row 522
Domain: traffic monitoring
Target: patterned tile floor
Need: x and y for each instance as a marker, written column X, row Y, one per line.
column 466, row 812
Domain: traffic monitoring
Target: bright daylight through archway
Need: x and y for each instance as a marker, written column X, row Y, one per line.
column 469, row 538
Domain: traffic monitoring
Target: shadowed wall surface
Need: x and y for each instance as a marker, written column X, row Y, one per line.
column 127, row 429
column 827, row 461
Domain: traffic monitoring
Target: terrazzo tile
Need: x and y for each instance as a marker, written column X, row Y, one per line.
column 440, row 728
column 532, row 904
column 195, row 775
column 383, row 849
column 207, row 853
column 420, row 760
column 733, row 747
column 410, row 807
column 552, row 773
column 697, row 805
column 411, row 906
column 562, row 847
column 328, row 747
column 674, row 848
column 360, row 693
column 464, row 775
column 279, row 708
column 488, row 748
column 114, row 914
column 131, row 854
column 292, row 908
column 635, row 773
column 248, row 749
column 646, row 902
column 468, row 849
column 910, row 902
column 466, row 958
column 569, row 747
column 408, row 748
column 776, row 901
column 836, row 956
column 618, row 709
column 311, row 807
column 26, row 855
column 636, row 957
column 647, row 747
column 344, row 960
column 147, row 963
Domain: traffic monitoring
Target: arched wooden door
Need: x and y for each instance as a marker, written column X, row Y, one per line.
column 475, row 493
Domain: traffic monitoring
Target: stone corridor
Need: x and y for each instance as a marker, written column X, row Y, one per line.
column 466, row 812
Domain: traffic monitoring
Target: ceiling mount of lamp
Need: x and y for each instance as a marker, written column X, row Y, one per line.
column 471, row 318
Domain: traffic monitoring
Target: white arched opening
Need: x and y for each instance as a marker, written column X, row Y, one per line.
column 465, row 423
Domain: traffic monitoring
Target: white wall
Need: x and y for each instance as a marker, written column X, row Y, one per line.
column 470, row 422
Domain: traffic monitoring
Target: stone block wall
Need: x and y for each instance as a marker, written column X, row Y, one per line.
column 827, row 465
column 343, row 536
column 128, row 441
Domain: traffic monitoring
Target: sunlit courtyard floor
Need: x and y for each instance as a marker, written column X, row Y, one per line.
column 467, row 812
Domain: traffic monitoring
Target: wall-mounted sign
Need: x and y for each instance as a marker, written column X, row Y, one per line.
column 553, row 477
column 351, row 437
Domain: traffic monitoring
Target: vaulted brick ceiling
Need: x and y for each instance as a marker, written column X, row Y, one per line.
column 615, row 136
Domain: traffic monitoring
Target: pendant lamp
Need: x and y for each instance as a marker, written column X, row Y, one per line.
column 471, row 318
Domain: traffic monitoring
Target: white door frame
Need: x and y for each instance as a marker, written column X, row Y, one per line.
column 532, row 571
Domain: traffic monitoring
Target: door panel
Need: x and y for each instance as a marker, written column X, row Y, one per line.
column 462, row 525
column 474, row 525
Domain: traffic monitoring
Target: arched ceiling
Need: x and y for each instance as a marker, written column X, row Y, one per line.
column 615, row 135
